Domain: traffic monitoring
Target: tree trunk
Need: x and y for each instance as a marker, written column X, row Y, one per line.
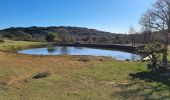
column 154, row 63
column 165, row 51
column 165, row 54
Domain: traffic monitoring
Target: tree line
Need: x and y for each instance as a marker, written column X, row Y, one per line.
column 77, row 35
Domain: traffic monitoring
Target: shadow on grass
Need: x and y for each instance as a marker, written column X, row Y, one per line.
column 146, row 85
column 152, row 77
column 161, row 78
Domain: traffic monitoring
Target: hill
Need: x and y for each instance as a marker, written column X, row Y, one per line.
column 74, row 34
column 65, row 34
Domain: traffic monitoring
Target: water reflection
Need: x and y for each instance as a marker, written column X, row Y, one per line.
column 78, row 47
column 51, row 50
column 63, row 50
column 133, row 57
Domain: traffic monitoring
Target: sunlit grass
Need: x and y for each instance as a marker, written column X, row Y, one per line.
column 113, row 70
column 9, row 45
column 72, row 79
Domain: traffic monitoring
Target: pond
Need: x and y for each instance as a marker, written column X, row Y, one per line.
column 64, row 50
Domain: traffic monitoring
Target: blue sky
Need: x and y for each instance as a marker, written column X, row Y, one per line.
column 108, row 15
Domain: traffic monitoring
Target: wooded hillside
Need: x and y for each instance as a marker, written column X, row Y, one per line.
column 76, row 34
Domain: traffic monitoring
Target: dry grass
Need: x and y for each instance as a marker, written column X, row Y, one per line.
column 16, row 72
column 16, row 66
column 73, row 78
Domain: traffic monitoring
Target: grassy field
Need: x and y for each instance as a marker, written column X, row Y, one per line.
column 17, row 45
column 75, row 78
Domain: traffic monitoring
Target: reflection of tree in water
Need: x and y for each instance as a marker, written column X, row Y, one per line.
column 78, row 47
column 51, row 49
column 64, row 50
column 134, row 57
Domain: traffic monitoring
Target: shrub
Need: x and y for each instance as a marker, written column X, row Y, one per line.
column 51, row 37
column 153, row 52
column 2, row 41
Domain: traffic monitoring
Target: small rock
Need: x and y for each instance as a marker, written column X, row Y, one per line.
column 101, row 60
column 83, row 60
column 41, row 75
column 73, row 93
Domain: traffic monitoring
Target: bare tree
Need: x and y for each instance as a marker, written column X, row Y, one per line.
column 132, row 32
column 158, row 19
column 147, row 36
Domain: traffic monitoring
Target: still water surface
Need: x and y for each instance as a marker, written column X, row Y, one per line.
column 63, row 50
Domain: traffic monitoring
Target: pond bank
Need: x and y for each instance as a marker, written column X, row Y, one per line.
column 122, row 47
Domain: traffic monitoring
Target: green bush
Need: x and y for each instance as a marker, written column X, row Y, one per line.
column 51, row 37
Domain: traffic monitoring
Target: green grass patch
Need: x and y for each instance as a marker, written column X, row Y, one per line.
column 113, row 70
column 9, row 45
